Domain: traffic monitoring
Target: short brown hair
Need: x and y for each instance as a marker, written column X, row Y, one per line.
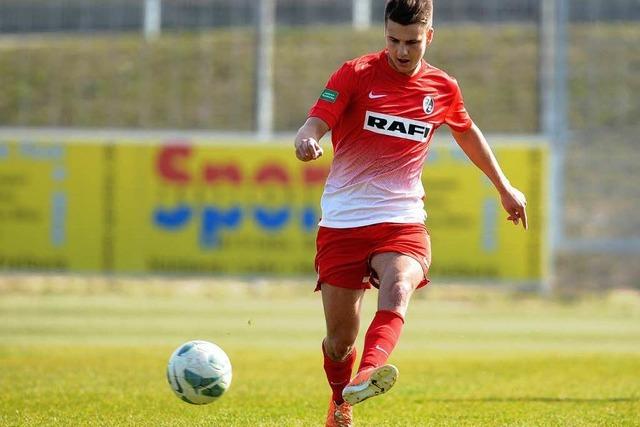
column 407, row 12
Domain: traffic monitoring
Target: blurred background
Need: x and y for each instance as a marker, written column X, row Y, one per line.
column 564, row 72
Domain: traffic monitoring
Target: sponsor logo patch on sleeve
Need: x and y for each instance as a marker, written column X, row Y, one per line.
column 329, row 95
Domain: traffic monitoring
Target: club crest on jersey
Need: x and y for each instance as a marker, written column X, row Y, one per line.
column 428, row 104
column 399, row 127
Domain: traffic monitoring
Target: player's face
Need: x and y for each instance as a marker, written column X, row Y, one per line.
column 406, row 45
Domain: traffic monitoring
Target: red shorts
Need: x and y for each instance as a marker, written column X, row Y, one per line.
column 343, row 256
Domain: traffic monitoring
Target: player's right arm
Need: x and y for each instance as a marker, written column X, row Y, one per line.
column 307, row 141
column 326, row 112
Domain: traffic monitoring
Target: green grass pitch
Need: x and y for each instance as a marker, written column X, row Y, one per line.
column 84, row 355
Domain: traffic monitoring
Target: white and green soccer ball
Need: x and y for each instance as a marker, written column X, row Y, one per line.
column 199, row 372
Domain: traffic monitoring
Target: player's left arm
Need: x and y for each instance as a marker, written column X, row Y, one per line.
column 476, row 147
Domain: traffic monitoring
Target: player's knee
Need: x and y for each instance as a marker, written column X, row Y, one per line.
column 396, row 295
column 338, row 348
column 402, row 287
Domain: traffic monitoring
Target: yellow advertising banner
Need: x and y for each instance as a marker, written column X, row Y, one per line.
column 51, row 206
column 185, row 207
column 198, row 207
column 470, row 234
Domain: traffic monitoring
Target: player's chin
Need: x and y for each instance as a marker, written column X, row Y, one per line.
column 404, row 65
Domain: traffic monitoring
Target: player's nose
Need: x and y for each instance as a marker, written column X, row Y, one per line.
column 403, row 51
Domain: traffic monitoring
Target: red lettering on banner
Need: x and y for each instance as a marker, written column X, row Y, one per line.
column 169, row 166
column 230, row 173
column 315, row 174
column 272, row 173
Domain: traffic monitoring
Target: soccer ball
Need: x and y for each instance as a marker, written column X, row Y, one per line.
column 199, row 372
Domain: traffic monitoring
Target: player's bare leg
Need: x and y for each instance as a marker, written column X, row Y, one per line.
column 399, row 276
column 342, row 314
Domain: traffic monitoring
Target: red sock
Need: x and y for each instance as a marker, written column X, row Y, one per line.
column 338, row 373
column 381, row 338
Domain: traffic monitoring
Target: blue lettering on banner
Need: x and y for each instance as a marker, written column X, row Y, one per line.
column 58, row 219
column 433, row 157
column 214, row 220
column 309, row 219
column 458, row 155
column 41, row 151
column 489, row 225
column 271, row 220
column 59, row 173
column 172, row 219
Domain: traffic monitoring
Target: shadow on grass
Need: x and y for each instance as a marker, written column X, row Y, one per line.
column 539, row 399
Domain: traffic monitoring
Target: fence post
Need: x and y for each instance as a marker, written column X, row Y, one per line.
column 554, row 16
column 361, row 14
column 264, row 69
column 152, row 19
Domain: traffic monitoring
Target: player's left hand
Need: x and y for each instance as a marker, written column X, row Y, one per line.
column 515, row 203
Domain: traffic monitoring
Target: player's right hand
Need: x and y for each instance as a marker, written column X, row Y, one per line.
column 308, row 149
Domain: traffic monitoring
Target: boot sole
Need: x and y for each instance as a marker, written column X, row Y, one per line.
column 380, row 381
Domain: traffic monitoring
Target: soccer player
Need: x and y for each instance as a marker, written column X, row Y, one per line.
column 382, row 109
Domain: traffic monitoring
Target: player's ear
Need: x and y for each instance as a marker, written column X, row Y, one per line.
column 430, row 35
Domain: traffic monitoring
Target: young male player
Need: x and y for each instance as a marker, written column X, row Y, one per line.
column 382, row 109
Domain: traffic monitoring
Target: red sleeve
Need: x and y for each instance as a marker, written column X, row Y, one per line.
column 457, row 117
column 336, row 95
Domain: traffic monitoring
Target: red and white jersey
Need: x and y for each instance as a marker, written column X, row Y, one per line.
column 382, row 122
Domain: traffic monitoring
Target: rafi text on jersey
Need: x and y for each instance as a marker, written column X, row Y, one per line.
column 399, row 127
